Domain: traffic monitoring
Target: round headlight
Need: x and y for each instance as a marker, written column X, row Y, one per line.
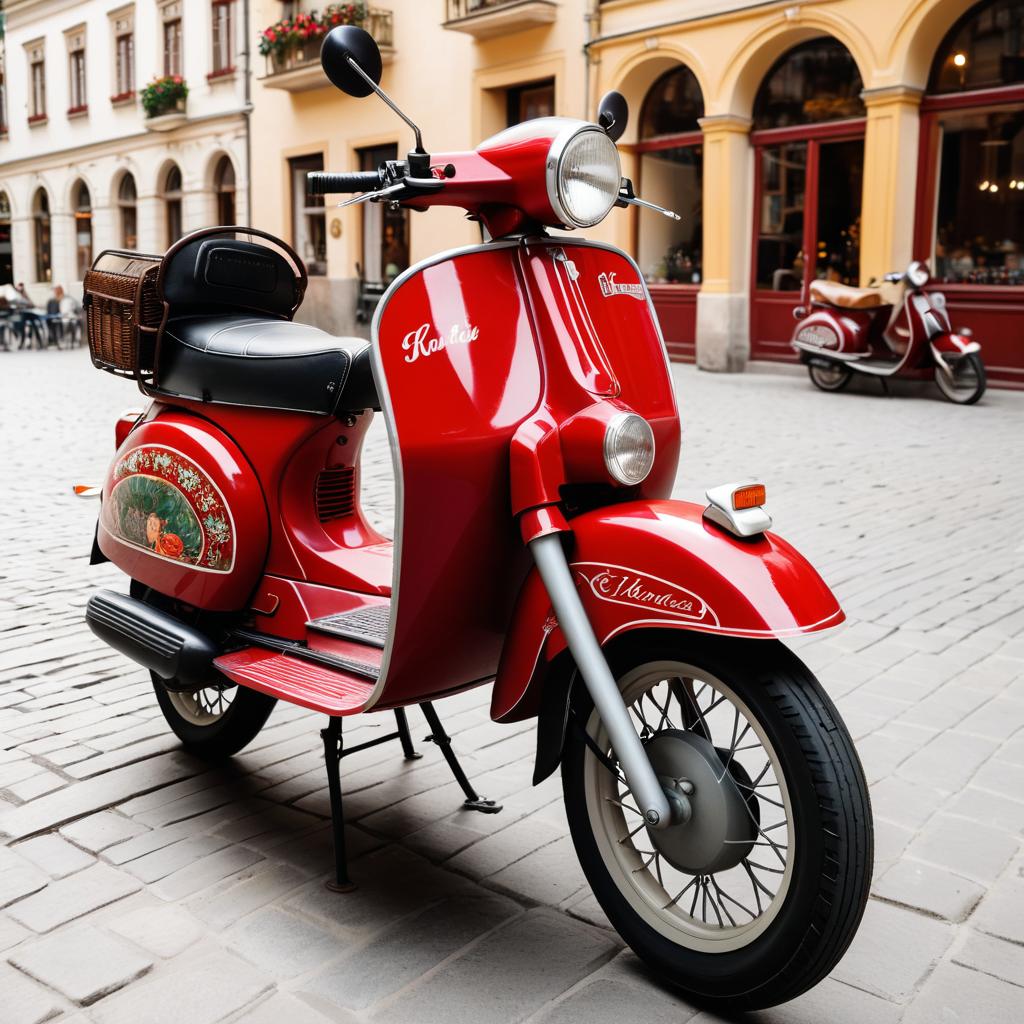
column 629, row 448
column 585, row 175
column 917, row 272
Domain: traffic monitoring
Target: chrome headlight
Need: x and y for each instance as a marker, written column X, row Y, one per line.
column 629, row 448
column 917, row 273
column 584, row 177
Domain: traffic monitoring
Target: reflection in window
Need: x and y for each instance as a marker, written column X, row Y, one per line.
column 780, row 237
column 980, row 209
column 309, row 219
column 525, row 102
column 670, row 251
column 41, row 217
column 814, row 82
column 385, row 230
column 984, row 51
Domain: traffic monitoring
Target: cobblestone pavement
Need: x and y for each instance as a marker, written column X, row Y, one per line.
column 138, row 884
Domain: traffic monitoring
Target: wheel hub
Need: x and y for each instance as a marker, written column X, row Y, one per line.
column 720, row 830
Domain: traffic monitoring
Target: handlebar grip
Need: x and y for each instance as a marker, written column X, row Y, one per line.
column 319, row 183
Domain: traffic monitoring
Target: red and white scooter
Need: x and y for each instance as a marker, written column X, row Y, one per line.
column 713, row 793
column 896, row 329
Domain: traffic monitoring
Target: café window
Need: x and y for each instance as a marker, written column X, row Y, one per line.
column 671, row 174
column 127, row 206
column 6, row 251
column 172, row 204
column 385, row 231
column 975, row 149
column 309, row 216
column 83, row 228
column 224, row 189
column 525, row 102
column 41, row 223
column 221, row 23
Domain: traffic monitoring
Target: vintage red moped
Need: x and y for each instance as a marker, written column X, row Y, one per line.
column 893, row 329
column 713, row 794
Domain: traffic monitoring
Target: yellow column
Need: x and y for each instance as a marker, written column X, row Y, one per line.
column 890, row 179
column 723, row 304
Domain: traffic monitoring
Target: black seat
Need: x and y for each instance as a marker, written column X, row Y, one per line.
column 266, row 363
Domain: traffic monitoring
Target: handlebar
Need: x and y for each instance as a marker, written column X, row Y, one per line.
column 319, row 183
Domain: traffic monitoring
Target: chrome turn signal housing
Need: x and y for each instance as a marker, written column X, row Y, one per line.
column 739, row 508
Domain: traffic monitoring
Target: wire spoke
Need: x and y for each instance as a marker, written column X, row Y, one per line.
column 679, row 895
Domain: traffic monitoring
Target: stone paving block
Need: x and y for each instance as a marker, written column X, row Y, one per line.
column 990, row 955
column 98, row 831
column 548, row 875
column 1000, row 911
column 11, row 933
column 503, row 848
column 551, row 950
column 979, row 805
column 613, row 1002
column 72, row 897
column 83, row 964
column 162, row 931
column 221, row 906
column 284, row 944
column 43, row 781
column 908, row 804
column 205, row 872
column 18, row 877
column 948, row 762
column 954, row 993
column 409, row 949
column 54, row 856
column 930, row 889
column 965, row 848
column 202, row 991
column 168, row 859
column 894, row 950
column 282, row 1008
column 23, row 1001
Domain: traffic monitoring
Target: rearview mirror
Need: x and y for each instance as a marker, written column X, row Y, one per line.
column 350, row 42
column 613, row 114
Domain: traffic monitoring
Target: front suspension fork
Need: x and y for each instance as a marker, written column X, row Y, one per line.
column 659, row 810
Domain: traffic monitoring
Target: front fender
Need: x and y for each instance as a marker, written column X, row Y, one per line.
column 647, row 564
column 949, row 347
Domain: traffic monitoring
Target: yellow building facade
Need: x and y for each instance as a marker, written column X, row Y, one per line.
column 835, row 138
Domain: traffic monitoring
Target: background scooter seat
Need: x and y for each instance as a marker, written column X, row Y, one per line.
column 834, row 294
column 265, row 363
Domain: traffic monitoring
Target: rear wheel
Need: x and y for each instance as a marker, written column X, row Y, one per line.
column 219, row 719
column 966, row 382
column 833, row 377
column 758, row 895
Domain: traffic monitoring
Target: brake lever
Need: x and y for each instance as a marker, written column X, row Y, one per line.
column 628, row 197
column 364, row 197
column 414, row 186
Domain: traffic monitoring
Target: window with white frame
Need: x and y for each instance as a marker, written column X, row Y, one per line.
column 171, row 36
column 122, row 31
column 222, row 20
column 36, row 81
column 77, row 97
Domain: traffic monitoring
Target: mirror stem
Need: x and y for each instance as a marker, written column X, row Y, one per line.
column 388, row 100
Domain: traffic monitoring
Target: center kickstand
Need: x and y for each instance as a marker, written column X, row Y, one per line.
column 473, row 802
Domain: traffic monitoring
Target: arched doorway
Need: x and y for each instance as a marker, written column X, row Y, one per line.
column 970, row 214
column 41, row 222
column 224, row 190
column 82, row 202
column 808, row 138
column 127, row 209
column 670, row 172
column 6, row 251
column 171, row 193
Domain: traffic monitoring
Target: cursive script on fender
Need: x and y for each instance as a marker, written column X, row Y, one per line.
column 419, row 342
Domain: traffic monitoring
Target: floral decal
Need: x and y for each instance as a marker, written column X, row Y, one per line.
column 164, row 503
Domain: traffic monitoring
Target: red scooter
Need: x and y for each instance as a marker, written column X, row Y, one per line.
column 713, row 793
column 896, row 329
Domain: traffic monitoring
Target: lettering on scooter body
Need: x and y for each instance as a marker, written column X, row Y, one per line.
column 610, row 287
column 620, row 585
column 419, row 343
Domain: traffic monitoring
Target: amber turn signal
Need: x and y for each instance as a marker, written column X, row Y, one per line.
column 748, row 497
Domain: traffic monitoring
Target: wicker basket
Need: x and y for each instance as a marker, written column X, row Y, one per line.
column 124, row 313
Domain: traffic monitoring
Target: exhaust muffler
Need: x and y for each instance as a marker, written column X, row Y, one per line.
column 157, row 641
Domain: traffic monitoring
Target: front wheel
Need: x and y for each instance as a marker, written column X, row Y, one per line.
column 833, row 377
column 966, row 383
column 754, row 899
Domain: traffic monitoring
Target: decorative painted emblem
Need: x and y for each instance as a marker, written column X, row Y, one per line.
column 618, row 584
column 610, row 287
column 818, row 334
column 164, row 503
column 419, row 343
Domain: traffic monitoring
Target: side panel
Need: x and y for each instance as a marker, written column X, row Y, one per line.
column 183, row 513
column 657, row 564
column 458, row 371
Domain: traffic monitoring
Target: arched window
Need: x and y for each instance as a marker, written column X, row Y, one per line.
column 970, row 221
column 811, row 83
column 127, row 206
column 224, row 188
column 172, row 203
column 809, row 158
column 41, row 219
column 6, row 255
column 671, row 167
column 83, row 228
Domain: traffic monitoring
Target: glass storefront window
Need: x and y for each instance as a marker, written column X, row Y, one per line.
column 385, row 230
column 979, row 217
column 984, row 51
column 780, row 236
column 309, row 216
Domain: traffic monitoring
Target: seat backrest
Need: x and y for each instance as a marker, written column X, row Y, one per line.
column 214, row 271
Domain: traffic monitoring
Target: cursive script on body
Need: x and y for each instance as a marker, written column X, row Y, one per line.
column 420, row 343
